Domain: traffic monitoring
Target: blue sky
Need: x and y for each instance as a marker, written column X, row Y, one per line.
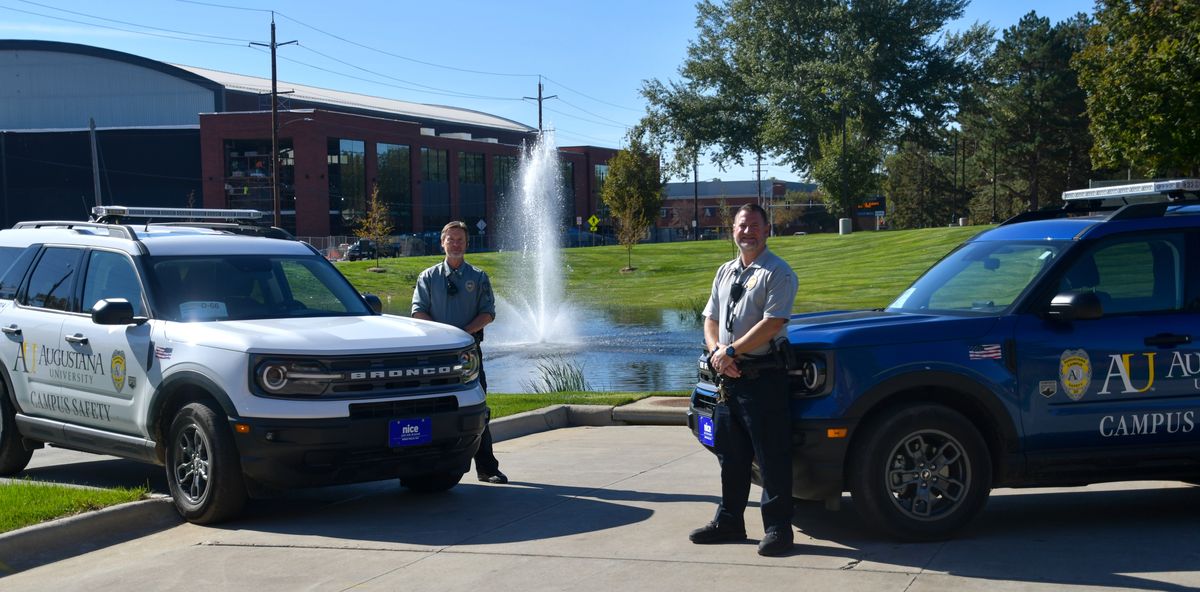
column 483, row 55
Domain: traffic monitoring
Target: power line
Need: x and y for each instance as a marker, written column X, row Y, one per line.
column 590, row 97
column 100, row 18
column 401, row 57
column 380, row 74
column 64, row 19
column 226, row 6
column 408, row 88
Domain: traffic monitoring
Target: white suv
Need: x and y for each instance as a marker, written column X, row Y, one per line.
column 243, row 364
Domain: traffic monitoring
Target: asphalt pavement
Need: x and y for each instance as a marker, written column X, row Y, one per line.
column 608, row 508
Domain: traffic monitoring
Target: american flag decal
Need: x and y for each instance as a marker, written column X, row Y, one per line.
column 989, row 351
column 162, row 353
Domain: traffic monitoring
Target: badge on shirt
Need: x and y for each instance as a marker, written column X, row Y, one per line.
column 753, row 281
column 470, row 286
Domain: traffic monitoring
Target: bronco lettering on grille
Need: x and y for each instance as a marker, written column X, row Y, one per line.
column 402, row 373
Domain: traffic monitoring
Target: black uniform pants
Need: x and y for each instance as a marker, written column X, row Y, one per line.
column 755, row 422
column 485, row 458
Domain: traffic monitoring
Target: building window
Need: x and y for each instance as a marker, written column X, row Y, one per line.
column 472, row 189
column 504, row 173
column 664, row 212
column 347, row 184
column 248, row 177
column 434, row 165
column 709, row 212
column 395, row 184
column 435, row 189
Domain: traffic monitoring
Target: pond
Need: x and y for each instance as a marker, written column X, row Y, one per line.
column 617, row 350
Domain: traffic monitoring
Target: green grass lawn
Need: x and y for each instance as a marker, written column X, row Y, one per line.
column 860, row 270
column 29, row 502
column 503, row 405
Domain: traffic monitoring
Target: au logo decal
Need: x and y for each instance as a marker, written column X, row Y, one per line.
column 117, row 368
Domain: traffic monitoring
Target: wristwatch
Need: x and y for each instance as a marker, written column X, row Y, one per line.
column 730, row 352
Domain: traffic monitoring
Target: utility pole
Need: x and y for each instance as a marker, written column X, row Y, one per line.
column 95, row 160
column 696, row 196
column 539, row 100
column 274, row 121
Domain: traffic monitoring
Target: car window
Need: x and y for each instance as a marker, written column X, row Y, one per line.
column 53, row 279
column 246, row 287
column 112, row 275
column 1131, row 275
column 11, row 279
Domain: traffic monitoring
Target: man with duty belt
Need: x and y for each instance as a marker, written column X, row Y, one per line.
column 746, row 313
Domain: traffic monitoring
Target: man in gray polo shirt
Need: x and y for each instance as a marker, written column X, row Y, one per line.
column 456, row 293
column 747, row 311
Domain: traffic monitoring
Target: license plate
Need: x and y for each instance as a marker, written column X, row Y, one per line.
column 706, row 432
column 410, row 432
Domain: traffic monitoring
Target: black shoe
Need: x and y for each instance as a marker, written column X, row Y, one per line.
column 774, row 544
column 715, row 533
column 497, row 478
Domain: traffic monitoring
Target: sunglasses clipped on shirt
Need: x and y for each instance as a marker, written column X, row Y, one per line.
column 451, row 288
column 736, row 291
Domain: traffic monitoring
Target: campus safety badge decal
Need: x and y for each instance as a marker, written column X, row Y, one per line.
column 1075, row 372
column 117, row 369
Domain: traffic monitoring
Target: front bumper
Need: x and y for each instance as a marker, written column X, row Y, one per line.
column 818, row 461
column 278, row 453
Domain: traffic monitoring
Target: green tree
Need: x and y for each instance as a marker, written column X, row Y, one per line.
column 845, row 169
column 377, row 224
column 772, row 77
column 633, row 193
column 1141, row 70
column 1031, row 112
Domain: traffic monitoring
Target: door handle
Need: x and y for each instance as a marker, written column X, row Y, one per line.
column 11, row 330
column 77, row 339
column 1167, row 340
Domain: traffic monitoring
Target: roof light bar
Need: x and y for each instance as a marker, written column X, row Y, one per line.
column 187, row 213
column 1153, row 188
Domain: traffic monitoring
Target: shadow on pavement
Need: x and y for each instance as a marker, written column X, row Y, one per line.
column 1077, row 537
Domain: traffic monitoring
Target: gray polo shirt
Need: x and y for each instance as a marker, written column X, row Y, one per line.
column 473, row 294
column 770, row 290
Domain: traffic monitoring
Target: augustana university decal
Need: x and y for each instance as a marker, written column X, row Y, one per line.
column 58, row 363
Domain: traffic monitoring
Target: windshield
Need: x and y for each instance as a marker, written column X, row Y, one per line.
column 242, row 287
column 980, row 278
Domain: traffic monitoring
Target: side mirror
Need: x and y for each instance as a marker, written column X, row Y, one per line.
column 1075, row 306
column 115, row 311
column 374, row 302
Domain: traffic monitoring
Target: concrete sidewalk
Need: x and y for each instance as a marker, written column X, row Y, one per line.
column 609, row 508
column 66, row 537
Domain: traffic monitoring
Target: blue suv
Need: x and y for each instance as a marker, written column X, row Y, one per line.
column 1055, row 349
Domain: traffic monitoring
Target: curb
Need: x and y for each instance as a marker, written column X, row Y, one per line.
column 648, row 411
column 43, row 543
column 59, row 539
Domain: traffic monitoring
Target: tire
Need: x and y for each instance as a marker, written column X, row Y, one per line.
column 14, row 457
column 203, row 470
column 921, row 473
column 432, row 482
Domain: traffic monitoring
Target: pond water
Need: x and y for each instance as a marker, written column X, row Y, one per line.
column 621, row 350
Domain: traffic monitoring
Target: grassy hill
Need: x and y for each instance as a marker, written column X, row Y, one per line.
column 860, row 270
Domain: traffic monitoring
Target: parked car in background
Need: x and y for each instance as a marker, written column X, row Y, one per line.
column 365, row 248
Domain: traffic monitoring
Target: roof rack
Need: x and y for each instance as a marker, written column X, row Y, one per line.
column 122, row 231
